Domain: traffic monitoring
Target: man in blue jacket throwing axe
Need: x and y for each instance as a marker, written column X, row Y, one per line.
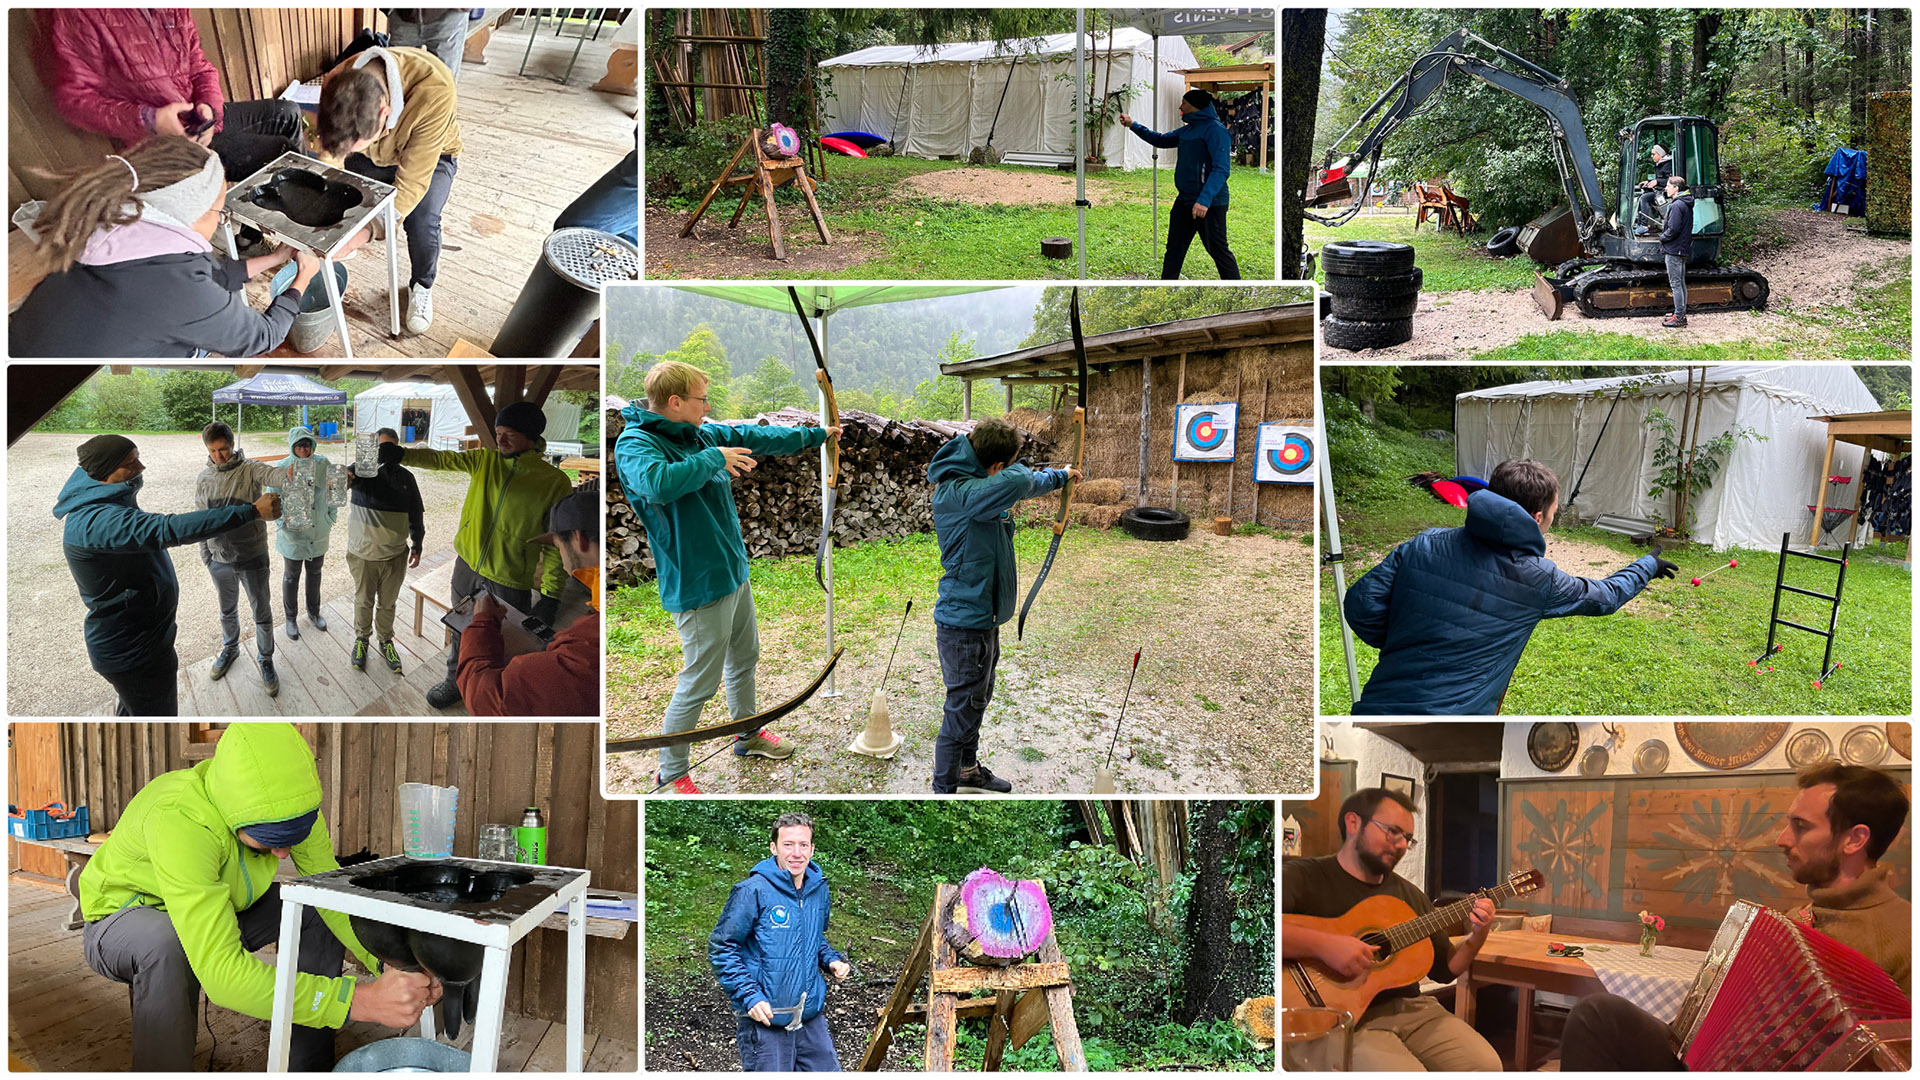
column 1451, row 609
column 769, row 952
column 1200, row 177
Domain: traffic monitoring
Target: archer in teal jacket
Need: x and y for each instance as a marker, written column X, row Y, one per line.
column 979, row 585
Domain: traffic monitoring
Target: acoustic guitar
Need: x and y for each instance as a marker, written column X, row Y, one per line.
column 1405, row 951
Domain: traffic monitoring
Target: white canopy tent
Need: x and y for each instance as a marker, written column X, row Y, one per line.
column 1762, row 490
column 447, row 421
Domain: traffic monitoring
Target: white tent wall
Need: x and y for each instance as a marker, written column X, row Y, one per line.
column 1763, row 488
column 952, row 92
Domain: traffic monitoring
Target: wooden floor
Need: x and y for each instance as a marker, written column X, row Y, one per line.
column 530, row 146
column 316, row 672
column 62, row 1017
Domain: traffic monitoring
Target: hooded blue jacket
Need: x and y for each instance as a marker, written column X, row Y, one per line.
column 979, row 584
column 1451, row 610
column 771, row 942
column 312, row 541
column 676, row 479
column 1206, row 155
column 118, row 555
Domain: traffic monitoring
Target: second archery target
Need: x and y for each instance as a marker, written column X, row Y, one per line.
column 1285, row 454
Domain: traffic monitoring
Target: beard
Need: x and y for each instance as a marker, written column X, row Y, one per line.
column 1375, row 862
column 1816, row 871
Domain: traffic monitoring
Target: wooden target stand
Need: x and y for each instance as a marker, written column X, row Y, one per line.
column 1027, row 997
column 765, row 174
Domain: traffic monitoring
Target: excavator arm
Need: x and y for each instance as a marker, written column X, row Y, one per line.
column 1404, row 99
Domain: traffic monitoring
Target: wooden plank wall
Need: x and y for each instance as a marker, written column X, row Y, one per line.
column 258, row 51
column 1684, row 847
column 499, row 768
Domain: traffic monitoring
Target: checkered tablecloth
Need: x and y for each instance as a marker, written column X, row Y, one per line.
column 1656, row 983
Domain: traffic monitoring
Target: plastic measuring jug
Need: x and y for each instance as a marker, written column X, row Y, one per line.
column 427, row 814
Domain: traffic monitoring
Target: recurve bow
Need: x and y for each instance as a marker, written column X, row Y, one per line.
column 1079, row 451
column 743, row 726
column 831, row 490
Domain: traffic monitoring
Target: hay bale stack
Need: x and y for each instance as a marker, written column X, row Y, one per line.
column 1102, row 492
column 883, row 492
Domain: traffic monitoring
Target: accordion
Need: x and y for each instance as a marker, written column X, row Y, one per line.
column 1776, row 996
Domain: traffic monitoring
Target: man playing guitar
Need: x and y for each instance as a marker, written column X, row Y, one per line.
column 1400, row 1031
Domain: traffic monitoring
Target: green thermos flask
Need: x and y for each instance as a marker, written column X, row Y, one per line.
column 531, row 837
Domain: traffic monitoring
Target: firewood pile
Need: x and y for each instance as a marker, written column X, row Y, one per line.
column 883, row 489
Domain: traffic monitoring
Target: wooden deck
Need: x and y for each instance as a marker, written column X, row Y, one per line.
column 61, row 1016
column 530, row 146
column 316, row 672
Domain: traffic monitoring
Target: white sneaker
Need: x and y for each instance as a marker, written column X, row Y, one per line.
column 419, row 309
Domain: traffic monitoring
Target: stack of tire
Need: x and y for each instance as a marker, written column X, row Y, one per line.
column 1374, row 286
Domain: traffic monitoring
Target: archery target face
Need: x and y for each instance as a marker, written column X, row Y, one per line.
column 1286, row 454
column 1206, row 432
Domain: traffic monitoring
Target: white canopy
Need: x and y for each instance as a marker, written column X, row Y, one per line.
column 941, row 101
column 1763, row 488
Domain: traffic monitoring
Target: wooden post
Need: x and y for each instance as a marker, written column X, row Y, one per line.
column 1266, row 97
column 1233, row 467
column 940, row 1018
column 1066, row 1034
column 719, row 181
column 999, row 1025
column 472, row 391
column 1146, row 418
column 1009, row 388
column 966, row 399
column 1820, row 490
column 1179, row 396
column 1679, row 448
column 1699, row 410
column 896, row 1010
column 773, row 214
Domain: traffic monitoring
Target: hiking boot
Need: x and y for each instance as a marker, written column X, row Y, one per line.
column 224, row 661
column 1673, row 323
column 762, row 744
column 978, row 781
column 293, row 629
column 681, row 785
column 444, row 693
column 318, row 620
column 419, row 309
column 359, row 654
column 269, row 678
column 391, row 655
column 1640, row 230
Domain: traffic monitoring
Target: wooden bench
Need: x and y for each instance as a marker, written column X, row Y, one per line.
column 434, row 587
column 77, row 852
column 480, row 31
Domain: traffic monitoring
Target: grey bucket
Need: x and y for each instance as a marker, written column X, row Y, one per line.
column 315, row 323
column 405, row 1054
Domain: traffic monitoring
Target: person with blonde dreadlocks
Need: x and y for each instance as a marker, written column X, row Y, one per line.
column 128, row 244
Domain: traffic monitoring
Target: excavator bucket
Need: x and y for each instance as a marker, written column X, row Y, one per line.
column 1330, row 191
column 1549, row 296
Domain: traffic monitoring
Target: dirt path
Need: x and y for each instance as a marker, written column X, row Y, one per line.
column 691, row 1028
column 1814, row 270
column 1222, row 703
column 715, row 251
column 48, row 672
column 1007, row 185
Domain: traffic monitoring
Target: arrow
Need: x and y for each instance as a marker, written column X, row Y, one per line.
column 1079, row 452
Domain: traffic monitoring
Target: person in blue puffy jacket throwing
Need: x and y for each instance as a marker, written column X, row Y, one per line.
column 1451, row 609
column 1200, row 177
column 770, row 954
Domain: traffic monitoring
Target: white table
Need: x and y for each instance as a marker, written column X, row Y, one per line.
column 495, row 931
column 1657, row 983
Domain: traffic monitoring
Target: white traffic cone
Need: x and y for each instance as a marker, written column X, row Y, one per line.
column 1103, row 781
column 879, row 739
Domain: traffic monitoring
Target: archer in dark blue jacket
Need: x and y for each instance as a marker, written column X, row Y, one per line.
column 1451, row 610
column 1200, row 173
column 770, row 948
column 118, row 555
column 978, row 587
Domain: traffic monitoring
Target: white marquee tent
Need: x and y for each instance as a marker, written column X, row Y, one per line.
column 447, row 421
column 1763, row 489
column 940, row 101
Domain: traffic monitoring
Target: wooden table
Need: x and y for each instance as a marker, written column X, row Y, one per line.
column 582, row 464
column 1518, row 958
column 434, row 588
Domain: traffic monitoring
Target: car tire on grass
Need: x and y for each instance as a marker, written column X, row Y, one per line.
column 1356, row 309
column 1155, row 523
column 1366, row 258
column 1381, row 287
column 1505, row 242
column 1354, row 335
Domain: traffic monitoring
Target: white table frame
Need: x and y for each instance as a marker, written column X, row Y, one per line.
column 498, row 939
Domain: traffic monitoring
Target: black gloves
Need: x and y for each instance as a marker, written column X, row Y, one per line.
column 391, row 453
column 1661, row 567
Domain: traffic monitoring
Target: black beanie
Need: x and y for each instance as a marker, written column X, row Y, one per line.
column 524, row 417
column 1199, row 99
column 102, row 454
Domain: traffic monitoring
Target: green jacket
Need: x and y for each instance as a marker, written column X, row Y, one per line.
column 174, row 849
column 507, row 505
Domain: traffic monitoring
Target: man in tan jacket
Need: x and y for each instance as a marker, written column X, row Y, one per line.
column 390, row 114
column 1844, row 818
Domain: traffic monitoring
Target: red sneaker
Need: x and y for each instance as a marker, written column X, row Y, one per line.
column 682, row 784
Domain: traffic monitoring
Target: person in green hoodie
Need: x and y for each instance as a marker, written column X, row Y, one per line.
column 512, row 491
column 182, row 891
column 677, row 472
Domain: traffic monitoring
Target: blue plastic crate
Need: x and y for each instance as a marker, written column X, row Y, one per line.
column 50, row 822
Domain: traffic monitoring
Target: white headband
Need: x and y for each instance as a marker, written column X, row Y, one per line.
column 185, row 200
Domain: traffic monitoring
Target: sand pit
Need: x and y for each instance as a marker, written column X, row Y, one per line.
column 1002, row 185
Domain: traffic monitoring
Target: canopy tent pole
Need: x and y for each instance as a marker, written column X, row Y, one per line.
column 1335, row 557
column 826, row 352
column 1079, row 138
column 1155, row 83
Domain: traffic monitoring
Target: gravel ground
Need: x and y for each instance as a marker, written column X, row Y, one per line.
column 48, row 672
column 1815, row 270
column 1010, row 186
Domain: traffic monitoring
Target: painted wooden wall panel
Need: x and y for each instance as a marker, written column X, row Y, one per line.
column 1685, row 847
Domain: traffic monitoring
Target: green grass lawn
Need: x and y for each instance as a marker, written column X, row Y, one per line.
column 1449, row 262
column 926, row 238
column 1673, row 650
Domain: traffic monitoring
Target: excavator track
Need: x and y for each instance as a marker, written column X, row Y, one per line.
column 1606, row 293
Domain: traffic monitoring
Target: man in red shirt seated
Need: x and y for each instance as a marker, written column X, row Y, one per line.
column 564, row 678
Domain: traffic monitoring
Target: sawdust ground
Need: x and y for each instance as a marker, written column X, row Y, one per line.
column 746, row 250
column 1008, row 185
column 1815, row 270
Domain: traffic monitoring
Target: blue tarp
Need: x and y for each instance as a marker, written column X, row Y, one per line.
column 1846, row 182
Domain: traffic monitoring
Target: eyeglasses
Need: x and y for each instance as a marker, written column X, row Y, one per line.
column 1396, row 833
column 701, row 400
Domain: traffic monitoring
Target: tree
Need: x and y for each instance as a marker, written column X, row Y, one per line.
column 1302, row 40
column 127, row 402
column 770, row 387
column 1229, row 927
